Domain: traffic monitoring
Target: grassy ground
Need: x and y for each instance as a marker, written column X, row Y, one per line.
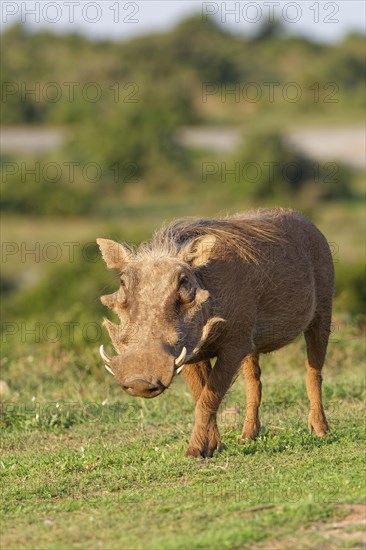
column 85, row 466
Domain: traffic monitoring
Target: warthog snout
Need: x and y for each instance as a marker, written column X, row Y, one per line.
column 143, row 388
column 134, row 372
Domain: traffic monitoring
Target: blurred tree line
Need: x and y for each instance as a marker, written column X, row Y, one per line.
column 171, row 65
column 125, row 101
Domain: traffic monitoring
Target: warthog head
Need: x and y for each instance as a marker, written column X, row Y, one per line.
column 165, row 313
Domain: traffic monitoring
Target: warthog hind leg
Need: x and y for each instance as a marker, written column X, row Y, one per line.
column 252, row 373
column 316, row 336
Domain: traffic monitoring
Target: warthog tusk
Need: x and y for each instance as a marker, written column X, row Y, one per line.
column 105, row 355
column 209, row 326
column 107, row 360
column 179, row 362
column 109, row 370
column 179, row 369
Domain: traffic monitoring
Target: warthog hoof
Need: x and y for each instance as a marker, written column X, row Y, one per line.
column 318, row 422
column 206, row 445
column 250, row 431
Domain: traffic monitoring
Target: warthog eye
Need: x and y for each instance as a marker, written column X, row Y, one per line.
column 183, row 280
column 121, row 293
column 186, row 290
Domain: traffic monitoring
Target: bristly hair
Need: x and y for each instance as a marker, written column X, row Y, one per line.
column 242, row 234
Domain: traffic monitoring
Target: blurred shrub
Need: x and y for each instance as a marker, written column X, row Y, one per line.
column 64, row 304
column 206, row 48
column 270, row 167
column 138, row 134
column 37, row 195
column 269, row 30
column 351, row 289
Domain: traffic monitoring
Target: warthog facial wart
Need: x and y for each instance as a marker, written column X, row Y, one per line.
column 223, row 289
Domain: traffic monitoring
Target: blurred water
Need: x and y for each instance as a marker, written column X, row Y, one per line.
column 30, row 140
column 347, row 145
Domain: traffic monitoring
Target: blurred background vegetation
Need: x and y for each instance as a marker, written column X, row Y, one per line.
column 123, row 166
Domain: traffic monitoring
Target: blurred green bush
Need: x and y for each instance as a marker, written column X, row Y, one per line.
column 63, row 306
column 271, row 167
column 351, row 289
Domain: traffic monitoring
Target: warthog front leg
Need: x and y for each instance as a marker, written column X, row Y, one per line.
column 252, row 373
column 196, row 376
column 205, row 438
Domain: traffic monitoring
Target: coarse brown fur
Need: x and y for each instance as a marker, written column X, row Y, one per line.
column 229, row 288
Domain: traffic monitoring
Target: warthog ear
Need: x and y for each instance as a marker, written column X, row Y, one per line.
column 199, row 251
column 115, row 255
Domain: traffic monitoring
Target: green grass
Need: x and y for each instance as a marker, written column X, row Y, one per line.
column 85, row 466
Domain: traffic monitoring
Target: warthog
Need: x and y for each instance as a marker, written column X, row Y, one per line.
column 229, row 289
